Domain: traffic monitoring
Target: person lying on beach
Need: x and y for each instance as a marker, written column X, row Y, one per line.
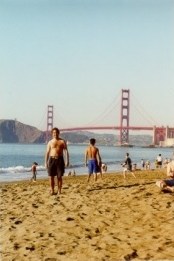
column 93, row 160
column 167, row 184
column 127, row 166
column 56, row 159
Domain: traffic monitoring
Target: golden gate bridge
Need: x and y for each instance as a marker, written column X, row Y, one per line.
column 159, row 133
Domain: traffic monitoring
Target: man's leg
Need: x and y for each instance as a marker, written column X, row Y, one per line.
column 168, row 185
column 124, row 173
column 90, row 170
column 133, row 174
column 89, row 175
column 171, row 189
column 52, row 184
column 101, row 174
column 95, row 169
column 59, row 184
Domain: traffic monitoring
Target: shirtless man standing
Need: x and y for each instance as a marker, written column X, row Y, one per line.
column 92, row 159
column 54, row 159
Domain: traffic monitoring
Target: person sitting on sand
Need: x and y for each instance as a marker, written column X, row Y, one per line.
column 92, row 159
column 127, row 166
column 168, row 184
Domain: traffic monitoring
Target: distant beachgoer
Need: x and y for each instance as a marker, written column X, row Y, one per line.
column 56, row 159
column 74, row 172
column 168, row 184
column 159, row 161
column 147, row 165
column 156, row 164
column 165, row 162
column 104, row 167
column 127, row 166
column 93, row 160
column 34, row 171
column 69, row 173
column 142, row 163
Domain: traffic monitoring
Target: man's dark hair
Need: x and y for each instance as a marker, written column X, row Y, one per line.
column 56, row 129
column 92, row 141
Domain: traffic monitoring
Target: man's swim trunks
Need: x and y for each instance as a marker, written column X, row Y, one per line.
column 92, row 166
column 169, row 182
column 56, row 166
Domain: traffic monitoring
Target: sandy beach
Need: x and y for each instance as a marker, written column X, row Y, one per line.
column 112, row 219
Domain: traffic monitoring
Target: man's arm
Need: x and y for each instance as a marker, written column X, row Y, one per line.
column 47, row 155
column 98, row 157
column 86, row 157
column 66, row 154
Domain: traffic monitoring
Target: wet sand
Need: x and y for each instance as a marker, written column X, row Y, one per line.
column 112, row 219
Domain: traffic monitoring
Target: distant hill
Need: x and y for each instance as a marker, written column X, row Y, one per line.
column 12, row 131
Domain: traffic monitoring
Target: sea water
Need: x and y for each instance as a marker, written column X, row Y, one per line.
column 16, row 159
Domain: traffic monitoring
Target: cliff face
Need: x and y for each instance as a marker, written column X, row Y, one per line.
column 12, row 131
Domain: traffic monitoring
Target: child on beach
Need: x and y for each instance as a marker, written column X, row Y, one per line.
column 34, row 171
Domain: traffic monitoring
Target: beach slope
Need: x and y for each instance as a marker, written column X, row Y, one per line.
column 113, row 219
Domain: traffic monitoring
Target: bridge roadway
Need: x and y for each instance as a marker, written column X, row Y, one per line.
column 108, row 128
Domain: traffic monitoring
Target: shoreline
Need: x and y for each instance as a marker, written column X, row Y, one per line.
column 45, row 176
column 112, row 219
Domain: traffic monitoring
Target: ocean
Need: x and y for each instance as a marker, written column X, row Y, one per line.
column 16, row 159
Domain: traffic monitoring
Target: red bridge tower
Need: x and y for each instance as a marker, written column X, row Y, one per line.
column 124, row 118
column 49, row 122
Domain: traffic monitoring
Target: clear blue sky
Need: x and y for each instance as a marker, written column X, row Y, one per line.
column 77, row 55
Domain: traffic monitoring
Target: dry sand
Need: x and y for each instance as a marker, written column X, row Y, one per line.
column 110, row 220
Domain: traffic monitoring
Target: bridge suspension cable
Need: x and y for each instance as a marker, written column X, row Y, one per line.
column 138, row 107
column 60, row 120
column 42, row 123
column 111, row 107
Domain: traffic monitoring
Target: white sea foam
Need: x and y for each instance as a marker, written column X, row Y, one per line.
column 19, row 169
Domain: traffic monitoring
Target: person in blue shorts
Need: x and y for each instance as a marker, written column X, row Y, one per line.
column 93, row 159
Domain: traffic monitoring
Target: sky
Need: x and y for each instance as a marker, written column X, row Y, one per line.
column 77, row 56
